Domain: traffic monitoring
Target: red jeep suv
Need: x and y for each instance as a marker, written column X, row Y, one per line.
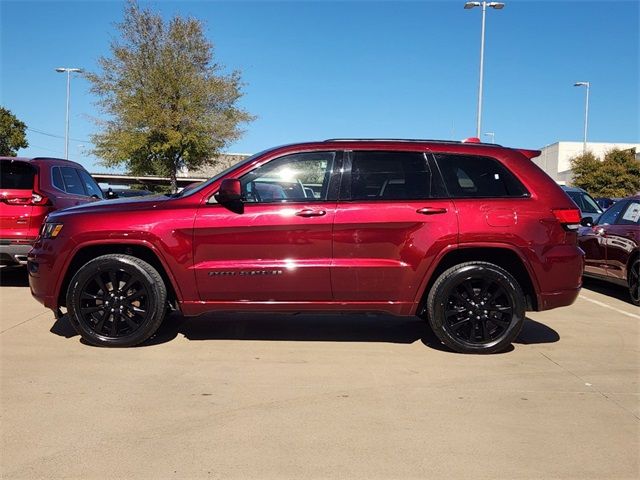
column 30, row 188
column 468, row 235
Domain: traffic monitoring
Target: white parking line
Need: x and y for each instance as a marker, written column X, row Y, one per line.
column 602, row 304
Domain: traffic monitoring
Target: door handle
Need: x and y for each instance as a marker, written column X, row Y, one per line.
column 431, row 210
column 308, row 212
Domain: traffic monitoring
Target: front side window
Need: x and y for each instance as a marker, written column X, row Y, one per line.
column 610, row 215
column 300, row 177
column 631, row 215
column 72, row 182
column 480, row 177
column 90, row 184
column 379, row 175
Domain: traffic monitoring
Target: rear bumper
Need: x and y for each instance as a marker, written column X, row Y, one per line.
column 563, row 298
column 559, row 276
column 14, row 254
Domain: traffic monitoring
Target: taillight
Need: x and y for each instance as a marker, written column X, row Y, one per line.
column 568, row 217
column 39, row 199
column 35, row 199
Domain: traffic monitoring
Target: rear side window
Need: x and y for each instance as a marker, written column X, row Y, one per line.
column 393, row 176
column 16, row 175
column 72, row 182
column 56, row 178
column 90, row 184
column 584, row 202
column 631, row 215
column 479, row 177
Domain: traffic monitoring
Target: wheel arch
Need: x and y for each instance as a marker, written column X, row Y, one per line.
column 142, row 251
column 504, row 256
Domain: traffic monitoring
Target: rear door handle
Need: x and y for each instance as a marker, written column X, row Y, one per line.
column 431, row 210
column 308, row 212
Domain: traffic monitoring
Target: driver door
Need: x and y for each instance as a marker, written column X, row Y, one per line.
column 277, row 246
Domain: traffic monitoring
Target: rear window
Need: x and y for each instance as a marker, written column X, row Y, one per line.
column 479, row 177
column 584, row 202
column 16, row 175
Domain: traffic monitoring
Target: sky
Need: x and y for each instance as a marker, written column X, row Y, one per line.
column 317, row 69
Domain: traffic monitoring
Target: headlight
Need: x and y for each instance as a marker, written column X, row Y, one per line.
column 50, row 230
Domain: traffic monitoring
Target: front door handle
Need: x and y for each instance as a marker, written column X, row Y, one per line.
column 431, row 210
column 308, row 212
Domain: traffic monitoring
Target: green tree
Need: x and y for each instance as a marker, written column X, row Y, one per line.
column 12, row 134
column 618, row 175
column 168, row 105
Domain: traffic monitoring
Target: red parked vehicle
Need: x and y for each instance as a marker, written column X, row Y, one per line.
column 30, row 188
column 612, row 246
column 468, row 235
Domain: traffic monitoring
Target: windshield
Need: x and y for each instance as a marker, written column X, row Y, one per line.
column 585, row 203
column 204, row 185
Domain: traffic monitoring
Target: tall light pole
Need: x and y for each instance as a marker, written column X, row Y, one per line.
column 586, row 113
column 492, row 135
column 484, row 4
column 69, row 71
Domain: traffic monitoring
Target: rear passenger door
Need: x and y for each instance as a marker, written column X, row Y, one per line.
column 392, row 219
column 490, row 201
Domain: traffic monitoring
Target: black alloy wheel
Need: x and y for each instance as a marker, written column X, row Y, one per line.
column 476, row 307
column 116, row 300
column 633, row 281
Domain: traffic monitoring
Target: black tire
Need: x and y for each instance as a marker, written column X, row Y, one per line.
column 476, row 307
column 116, row 300
column 633, row 281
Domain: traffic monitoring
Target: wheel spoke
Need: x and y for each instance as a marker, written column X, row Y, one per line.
column 456, row 326
column 500, row 309
column 100, row 324
column 454, row 311
column 101, row 284
column 135, row 295
column 88, row 310
column 130, row 282
column 114, row 281
column 114, row 324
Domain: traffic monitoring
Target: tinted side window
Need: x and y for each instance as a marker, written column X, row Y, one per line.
column 301, row 177
column 72, row 182
column 584, row 202
column 475, row 176
column 393, row 176
column 56, row 178
column 90, row 184
column 631, row 215
column 610, row 215
column 16, row 175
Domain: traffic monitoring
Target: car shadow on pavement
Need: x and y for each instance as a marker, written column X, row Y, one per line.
column 305, row 327
column 606, row 288
column 14, row 277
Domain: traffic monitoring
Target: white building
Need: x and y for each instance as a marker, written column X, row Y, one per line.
column 555, row 159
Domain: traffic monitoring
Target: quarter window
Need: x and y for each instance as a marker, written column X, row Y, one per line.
column 392, row 176
column 476, row 176
column 56, row 178
column 301, row 177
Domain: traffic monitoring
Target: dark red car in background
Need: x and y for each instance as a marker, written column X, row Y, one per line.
column 612, row 246
column 467, row 235
column 30, row 188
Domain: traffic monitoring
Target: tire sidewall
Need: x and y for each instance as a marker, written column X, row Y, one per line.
column 144, row 271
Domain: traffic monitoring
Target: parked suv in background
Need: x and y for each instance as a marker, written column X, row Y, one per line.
column 29, row 190
column 467, row 235
column 612, row 246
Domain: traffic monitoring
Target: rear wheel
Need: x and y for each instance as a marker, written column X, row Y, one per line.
column 633, row 281
column 116, row 301
column 476, row 307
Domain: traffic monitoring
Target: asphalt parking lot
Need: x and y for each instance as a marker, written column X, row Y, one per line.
column 320, row 397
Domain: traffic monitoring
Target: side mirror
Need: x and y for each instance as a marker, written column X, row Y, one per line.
column 587, row 222
column 230, row 191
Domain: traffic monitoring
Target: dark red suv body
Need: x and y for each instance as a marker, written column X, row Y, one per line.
column 30, row 188
column 469, row 235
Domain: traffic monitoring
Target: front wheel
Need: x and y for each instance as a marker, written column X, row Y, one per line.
column 116, row 301
column 476, row 307
column 633, row 281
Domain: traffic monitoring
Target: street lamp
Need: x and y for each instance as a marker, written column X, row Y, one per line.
column 69, row 71
column 492, row 135
column 484, row 4
column 586, row 113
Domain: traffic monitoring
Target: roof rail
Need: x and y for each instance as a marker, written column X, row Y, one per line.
column 407, row 140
